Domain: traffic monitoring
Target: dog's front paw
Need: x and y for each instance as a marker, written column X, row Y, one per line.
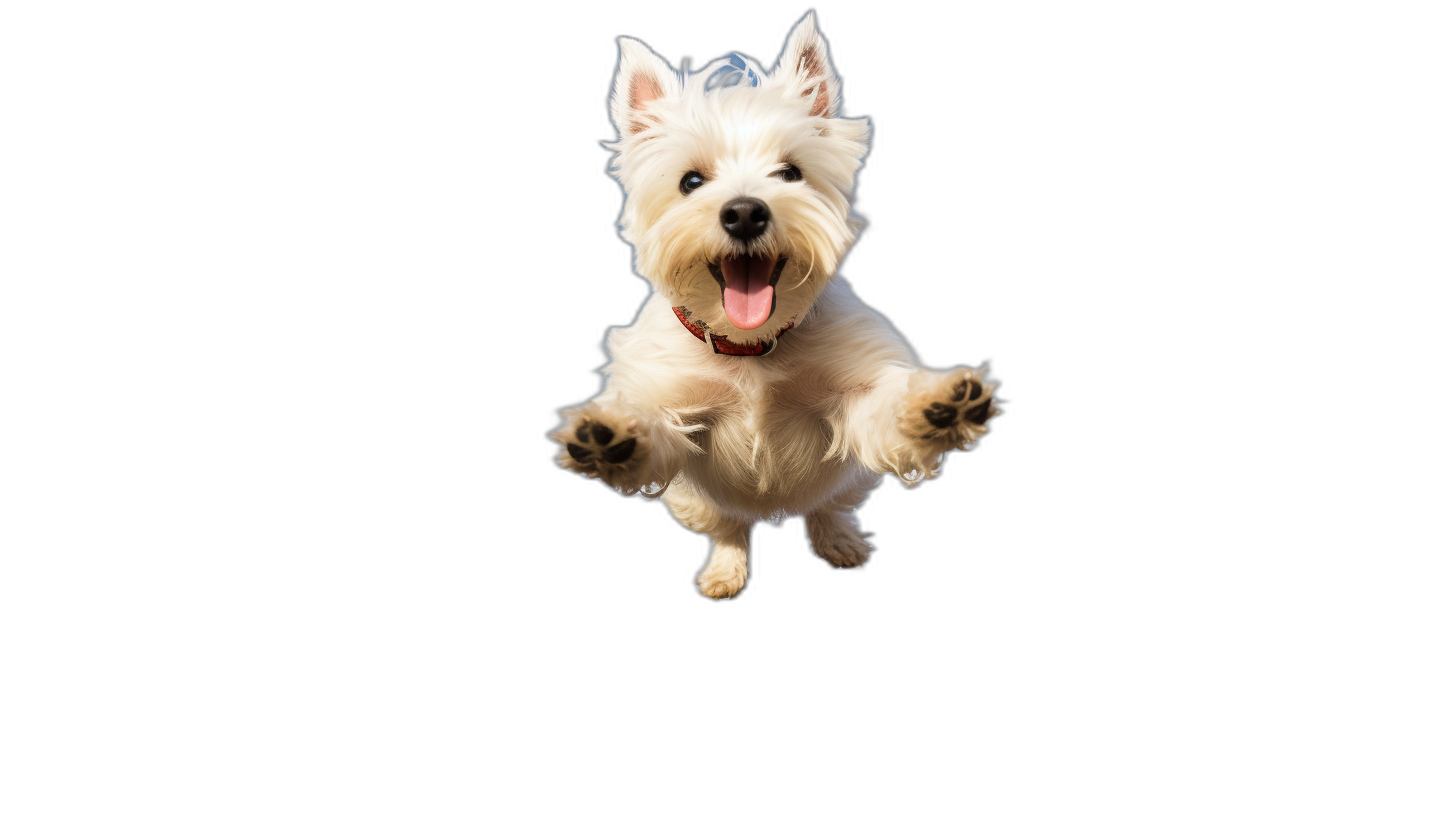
column 948, row 410
column 605, row 443
column 722, row 582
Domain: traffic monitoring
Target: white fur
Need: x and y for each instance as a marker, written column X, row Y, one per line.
column 810, row 428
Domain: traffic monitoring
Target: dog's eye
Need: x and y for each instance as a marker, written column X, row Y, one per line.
column 691, row 182
column 790, row 173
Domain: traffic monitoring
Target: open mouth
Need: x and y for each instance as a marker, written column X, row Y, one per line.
column 748, row 287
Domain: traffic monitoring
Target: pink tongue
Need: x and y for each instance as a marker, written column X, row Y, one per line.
column 747, row 295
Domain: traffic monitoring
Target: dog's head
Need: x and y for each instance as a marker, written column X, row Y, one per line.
column 738, row 181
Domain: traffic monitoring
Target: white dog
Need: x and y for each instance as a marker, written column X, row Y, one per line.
column 754, row 384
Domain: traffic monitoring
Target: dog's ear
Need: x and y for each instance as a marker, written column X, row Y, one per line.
column 805, row 64
column 642, row 78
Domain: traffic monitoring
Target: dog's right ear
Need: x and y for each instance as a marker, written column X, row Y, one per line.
column 806, row 58
column 642, row 78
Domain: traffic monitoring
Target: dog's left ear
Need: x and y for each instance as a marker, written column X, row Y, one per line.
column 805, row 63
column 642, row 78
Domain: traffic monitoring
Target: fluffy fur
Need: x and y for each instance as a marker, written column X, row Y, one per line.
column 810, row 428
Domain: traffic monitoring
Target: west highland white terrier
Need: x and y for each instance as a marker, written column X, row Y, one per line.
column 754, row 384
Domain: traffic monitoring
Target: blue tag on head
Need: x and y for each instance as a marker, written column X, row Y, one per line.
column 735, row 72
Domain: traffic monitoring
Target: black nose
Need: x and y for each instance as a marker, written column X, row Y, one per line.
column 744, row 218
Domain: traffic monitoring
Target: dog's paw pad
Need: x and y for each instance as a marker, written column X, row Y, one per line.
column 973, row 386
column 597, row 440
column 940, row 415
column 588, row 432
column 620, row 452
column 955, row 408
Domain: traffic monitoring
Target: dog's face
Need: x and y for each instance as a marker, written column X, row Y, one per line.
column 738, row 181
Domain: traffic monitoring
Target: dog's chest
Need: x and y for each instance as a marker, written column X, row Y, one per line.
column 764, row 449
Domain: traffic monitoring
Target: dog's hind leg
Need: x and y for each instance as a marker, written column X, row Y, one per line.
column 727, row 569
column 833, row 531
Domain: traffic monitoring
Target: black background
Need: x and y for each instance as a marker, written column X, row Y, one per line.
column 1014, row 194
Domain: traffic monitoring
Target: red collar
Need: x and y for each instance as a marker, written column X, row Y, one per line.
column 721, row 344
